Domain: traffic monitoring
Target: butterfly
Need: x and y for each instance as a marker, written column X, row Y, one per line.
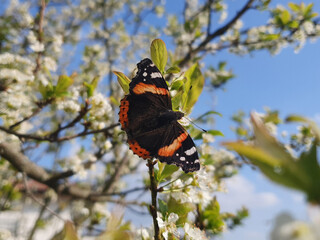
column 151, row 125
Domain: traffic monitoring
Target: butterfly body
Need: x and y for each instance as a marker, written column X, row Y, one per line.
column 151, row 125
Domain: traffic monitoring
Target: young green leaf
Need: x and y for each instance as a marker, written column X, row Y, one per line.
column 123, row 81
column 312, row 124
column 211, row 215
column 193, row 87
column 91, row 86
column 173, row 69
column 278, row 165
column 163, row 207
column 159, row 54
column 167, row 171
column 182, row 209
column 64, row 82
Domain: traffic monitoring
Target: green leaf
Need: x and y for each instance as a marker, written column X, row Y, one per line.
column 176, row 100
column 181, row 209
column 269, row 37
column 294, row 7
column 293, row 24
column 193, row 87
column 222, row 65
column 270, row 166
column 212, row 132
column 115, row 230
column 91, row 87
column 68, row 233
column 285, row 17
column 167, row 172
column 278, row 165
column 176, row 85
column 173, row 69
column 207, row 114
column 46, row 91
column 308, row 10
column 159, row 54
column 64, row 82
column 312, row 124
column 163, row 207
column 212, row 216
column 123, row 81
column 309, row 163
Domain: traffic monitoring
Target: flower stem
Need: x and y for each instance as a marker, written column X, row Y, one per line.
column 153, row 206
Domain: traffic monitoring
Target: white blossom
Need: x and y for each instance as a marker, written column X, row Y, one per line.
column 5, row 235
column 7, row 73
column 107, row 145
column 35, row 45
column 238, row 24
column 168, row 226
column 207, row 138
column 308, row 27
column 69, row 105
column 194, row 233
column 100, row 106
column 50, row 63
column 143, row 234
column 296, row 230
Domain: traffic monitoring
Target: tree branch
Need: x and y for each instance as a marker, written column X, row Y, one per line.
column 153, row 206
column 218, row 32
column 49, row 138
column 22, row 163
column 30, row 169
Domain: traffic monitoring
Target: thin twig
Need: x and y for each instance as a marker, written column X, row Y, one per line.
column 81, row 114
column 40, row 36
column 29, row 193
column 153, row 206
column 40, row 104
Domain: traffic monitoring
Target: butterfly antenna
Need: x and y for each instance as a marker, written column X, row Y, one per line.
column 203, row 130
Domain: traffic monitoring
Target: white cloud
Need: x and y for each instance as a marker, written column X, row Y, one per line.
column 242, row 192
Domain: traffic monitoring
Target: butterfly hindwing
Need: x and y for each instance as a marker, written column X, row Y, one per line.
column 178, row 148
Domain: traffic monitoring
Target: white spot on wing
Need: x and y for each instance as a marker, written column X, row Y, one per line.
column 145, row 74
column 182, row 158
column 190, row 151
column 197, row 161
column 152, row 65
column 156, row 75
column 177, row 154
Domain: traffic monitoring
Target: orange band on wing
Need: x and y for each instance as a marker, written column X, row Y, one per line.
column 169, row 150
column 142, row 88
column 141, row 152
column 123, row 113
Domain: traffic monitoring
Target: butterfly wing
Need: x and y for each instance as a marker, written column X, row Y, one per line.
column 149, row 83
column 178, row 148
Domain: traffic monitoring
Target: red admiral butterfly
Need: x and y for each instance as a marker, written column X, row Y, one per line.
column 147, row 117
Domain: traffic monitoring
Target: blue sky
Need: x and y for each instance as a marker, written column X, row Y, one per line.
column 287, row 82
